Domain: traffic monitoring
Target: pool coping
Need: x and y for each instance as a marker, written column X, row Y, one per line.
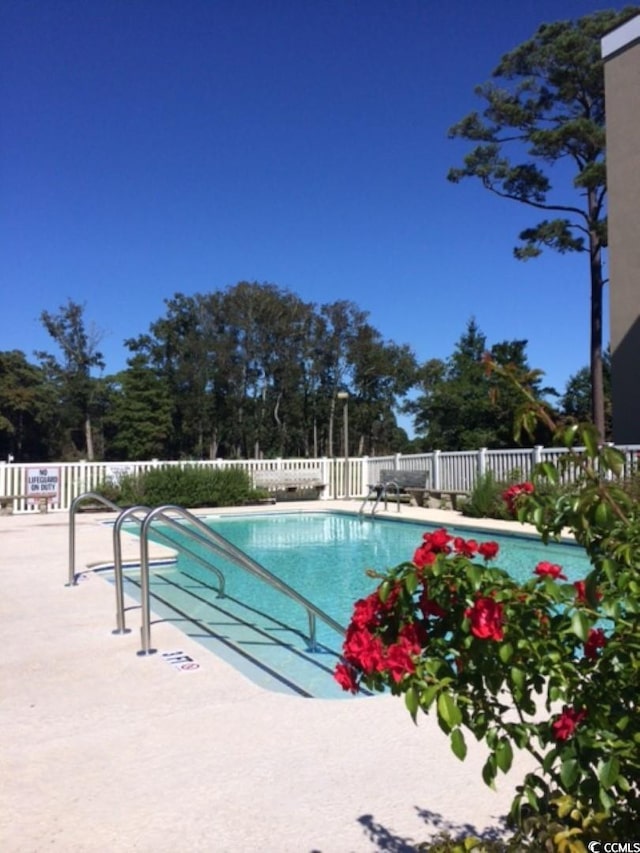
column 105, row 750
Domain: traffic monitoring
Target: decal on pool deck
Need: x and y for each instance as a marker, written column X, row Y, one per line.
column 180, row 661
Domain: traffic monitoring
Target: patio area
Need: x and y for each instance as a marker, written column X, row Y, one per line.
column 104, row 750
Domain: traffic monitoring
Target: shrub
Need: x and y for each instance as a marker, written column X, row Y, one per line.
column 545, row 666
column 485, row 500
column 188, row 486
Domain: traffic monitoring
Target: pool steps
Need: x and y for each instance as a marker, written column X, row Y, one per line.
column 266, row 650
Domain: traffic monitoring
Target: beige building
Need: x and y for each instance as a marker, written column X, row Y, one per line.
column 621, row 53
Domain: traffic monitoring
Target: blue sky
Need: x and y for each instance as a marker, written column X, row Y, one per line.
column 150, row 147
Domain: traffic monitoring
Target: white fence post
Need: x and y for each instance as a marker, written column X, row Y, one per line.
column 482, row 462
column 437, row 478
column 325, row 467
column 536, row 456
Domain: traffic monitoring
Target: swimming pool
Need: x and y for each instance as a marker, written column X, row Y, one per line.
column 322, row 555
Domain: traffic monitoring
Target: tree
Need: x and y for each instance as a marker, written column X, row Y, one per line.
column 461, row 406
column 138, row 424
column 253, row 370
column 382, row 372
column 576, row 401
column 72, row 375
column 549, row 108
column 27, row 410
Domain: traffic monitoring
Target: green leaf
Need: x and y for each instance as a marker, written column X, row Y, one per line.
column 517, row 676
column 411, row 582
column 505, row 652
column 569, row 772
column 504, row 755
column 458, row 745
column 448, row 711
column 608, row 772
column 549, row 470
column 605, row 799
column 474, row 574
column 580, row 625
column 384, row 590
column 590, row 438
column 602, row 513
column 569, row 435
column 549, row 760
column 428, row 695
column 613, row 460
column 411, row 701
column 489, row 771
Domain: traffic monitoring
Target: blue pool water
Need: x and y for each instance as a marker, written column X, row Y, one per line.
column 324, row 556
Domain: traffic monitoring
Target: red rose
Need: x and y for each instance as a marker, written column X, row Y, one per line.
column 488, row 550
column 564, row 727
column 424, row 556
column 596, row 640
column 486, row 619
column 510, row 496
column 465, row 547
column 398, row 661
column 429, row 607
column 439, row 540
column 362, row 649
column 345, row 675
column 366, row 611
column 545, row 569
column 414, row 633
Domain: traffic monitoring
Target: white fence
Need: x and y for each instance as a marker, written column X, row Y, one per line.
column 53, row 486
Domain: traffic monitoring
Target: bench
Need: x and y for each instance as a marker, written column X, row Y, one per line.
column 6, row 502
column 415, row 485
column 290, row 483
column 411, row 483
column 448, row 497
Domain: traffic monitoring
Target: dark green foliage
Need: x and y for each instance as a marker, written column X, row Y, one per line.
column 77, row 391
column 28, row 411
column 187, row 486
column 547, row 107
column 462, row 406
column 485, row 501
column 577, row 399
column 138, row 423
column 444, row 842
column 251, row 371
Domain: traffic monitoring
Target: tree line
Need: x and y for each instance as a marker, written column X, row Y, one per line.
column 253, row 371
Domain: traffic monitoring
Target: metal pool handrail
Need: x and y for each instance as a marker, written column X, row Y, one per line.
column 75, row 503
column 130, row 512
column 117, row 560
column 381, row 491
column 226, row 549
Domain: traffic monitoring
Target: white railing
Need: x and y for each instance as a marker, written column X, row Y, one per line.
column 29, row 488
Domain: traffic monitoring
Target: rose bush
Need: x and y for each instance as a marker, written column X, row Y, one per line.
column 547, row 666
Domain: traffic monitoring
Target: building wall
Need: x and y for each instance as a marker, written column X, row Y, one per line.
column 621, row 51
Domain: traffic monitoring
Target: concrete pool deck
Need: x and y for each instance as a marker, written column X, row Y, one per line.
column 106, row 751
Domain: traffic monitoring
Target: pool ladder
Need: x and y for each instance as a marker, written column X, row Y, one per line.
column 197, row 531
column 380, row 490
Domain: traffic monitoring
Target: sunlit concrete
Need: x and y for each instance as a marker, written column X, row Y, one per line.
column 104, row 750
